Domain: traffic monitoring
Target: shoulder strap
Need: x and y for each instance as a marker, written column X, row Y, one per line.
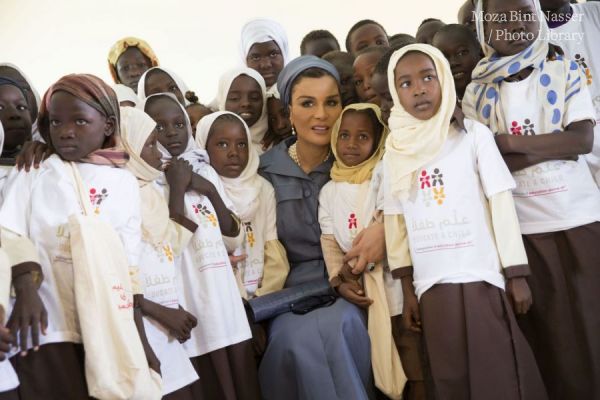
column 84, row 200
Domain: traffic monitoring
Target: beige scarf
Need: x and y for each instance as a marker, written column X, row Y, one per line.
column 412, row 142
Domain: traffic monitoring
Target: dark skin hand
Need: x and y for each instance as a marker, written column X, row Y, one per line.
column 351, row 289
column 229, row 226
column 411, row 316
column 179, row 176
column 153, row 361
column 29, row 313
column 177, row 321
column 575, row 140
column 32, row 154
column 519, row 294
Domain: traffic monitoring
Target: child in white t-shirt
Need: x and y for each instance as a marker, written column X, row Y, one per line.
column 219, row 347
column 227, row 140
column 447, row 195
column 541, row 114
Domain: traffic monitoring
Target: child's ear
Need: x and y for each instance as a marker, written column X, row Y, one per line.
column 110, row 126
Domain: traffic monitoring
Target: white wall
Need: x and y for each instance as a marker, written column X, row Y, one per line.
column 197, row 39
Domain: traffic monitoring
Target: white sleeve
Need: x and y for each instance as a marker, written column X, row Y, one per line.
column 325, row 215
column 391, row 204
column 578, row 101
column 208, row 173
column 130, row 230
column 493, row 172
column 16, row 207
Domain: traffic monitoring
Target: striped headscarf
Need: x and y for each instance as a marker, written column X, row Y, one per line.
column 97, row 94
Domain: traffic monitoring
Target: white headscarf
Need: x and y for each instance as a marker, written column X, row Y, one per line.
column 125, row 93
column 260, row 127
column 192, row 154
column 35, row 132
column 244, row 190
column 136, row 127
column 1, row 137
column 178, row 81
column 412, row 142
column 263, row 30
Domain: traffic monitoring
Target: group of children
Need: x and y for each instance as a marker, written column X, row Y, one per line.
column 475, row 153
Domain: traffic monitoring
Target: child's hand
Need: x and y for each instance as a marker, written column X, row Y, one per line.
column 32, row 154
column 411, row 316
column 352, row 292
column 179, row 174
column 29, row 311
column 519, row 294
column 177, row 321
column 202, row 186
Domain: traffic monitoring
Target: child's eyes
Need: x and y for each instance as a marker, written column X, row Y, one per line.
column 233, row 98
column 274, row 54
column 362, row 136
column 242, row 145
column 379, row 42
column 463, row 53
column 21, row 108
column 54, row 122
column 358, row 82
column 159, row 127
column 179, row 125
column 429, row 78
column 344, row 135
column 254, row 57
column 222, row 145
column 344, row 82
column 81, row 122
column 404, row 84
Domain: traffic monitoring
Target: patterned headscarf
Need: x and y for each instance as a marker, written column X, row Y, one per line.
column 97, row 94
column 121, row 46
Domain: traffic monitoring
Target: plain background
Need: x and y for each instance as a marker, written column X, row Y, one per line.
column 196, row 39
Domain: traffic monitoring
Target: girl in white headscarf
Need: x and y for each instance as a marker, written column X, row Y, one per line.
column 447, row 194
column 163, row 239
column 264, row 47
column 243, row 92
column 226, row 138
column 162, row 80
column 219, row 347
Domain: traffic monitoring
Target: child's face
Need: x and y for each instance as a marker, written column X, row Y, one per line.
column 363, row 68
column 158, row 81
column 279, row 123
column 315, row 106
column 170, row 124
column 321, row 46
column 131, row 65
column 266, row 58
column 517, row 32
column 380, row 86
column 15, row 117
column 13, row 74
column 366, row 36
column 227, row 148
column 245, row 99
column 196, row 112
column 76, row 128
column 150, row 152
column 462, row 56
column 427, row 31
column 417, row 84
column 356, row 138
column 347, row 90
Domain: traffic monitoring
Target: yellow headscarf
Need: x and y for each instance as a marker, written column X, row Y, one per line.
column 122, row 45
column 363, row 171
column 412, row 142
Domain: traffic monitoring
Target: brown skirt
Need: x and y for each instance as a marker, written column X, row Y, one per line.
column 474, row 346
column 54, row 372
column 413, row 359
column 10, row 395
column 227, row 374
column 563, row 325
column 185, row 393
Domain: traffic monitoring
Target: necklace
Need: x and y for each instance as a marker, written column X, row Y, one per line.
column 293, row 153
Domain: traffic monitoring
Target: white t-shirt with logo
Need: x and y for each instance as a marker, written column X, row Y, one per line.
column 447, row 217
column 342, row 208
column 579, row 38
column 37, row 205
column 158, row 276
column 207, row 285
column 554, row 195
